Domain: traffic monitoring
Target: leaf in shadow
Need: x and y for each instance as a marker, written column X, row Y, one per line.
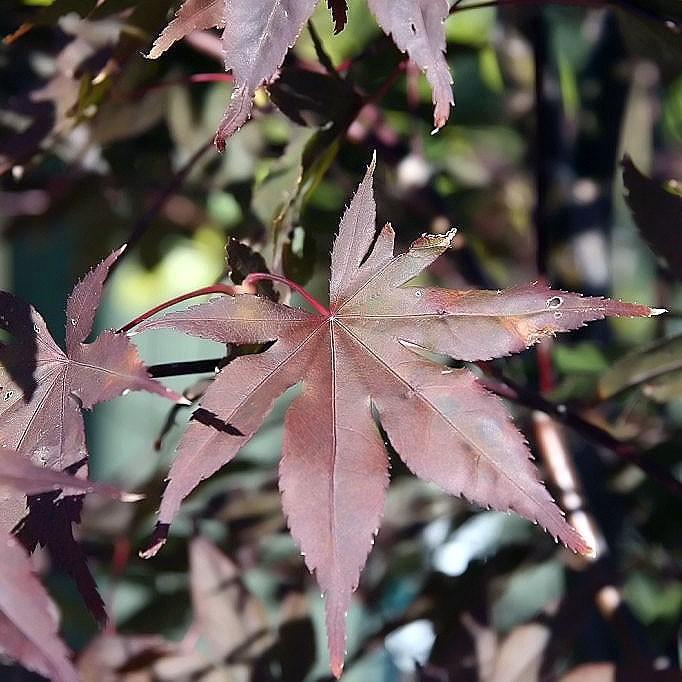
column 49, row 523
column 657, row 214
column 18, row 359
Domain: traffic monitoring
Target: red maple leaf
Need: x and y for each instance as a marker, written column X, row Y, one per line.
column 43, row 392
column 360, row 361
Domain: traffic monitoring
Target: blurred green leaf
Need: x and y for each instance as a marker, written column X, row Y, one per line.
column 656, row 369
column 527, row 592
column 299, row 256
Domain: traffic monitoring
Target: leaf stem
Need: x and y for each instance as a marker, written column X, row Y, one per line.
column 259, row 276
column 213, row 289
column 230, row 290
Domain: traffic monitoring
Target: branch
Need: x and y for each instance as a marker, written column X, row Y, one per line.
column 625, row 5
column 176, row 369
column 148, row 217
column 506, row 388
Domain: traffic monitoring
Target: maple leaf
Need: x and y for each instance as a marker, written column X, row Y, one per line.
column 361, row 356
column 257, row 35
column 43, row 392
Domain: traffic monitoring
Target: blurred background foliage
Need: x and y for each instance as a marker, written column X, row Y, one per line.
column 99, row 146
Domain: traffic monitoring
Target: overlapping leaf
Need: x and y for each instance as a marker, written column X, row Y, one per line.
column 361, row 358
column 18, row 473
column 28, row 623
column 258, row 34
column 43, row 393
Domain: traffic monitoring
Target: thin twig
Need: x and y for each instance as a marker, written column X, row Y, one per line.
column 176, row 369
column 147, row 218
column 506, row 388
column 625, row 5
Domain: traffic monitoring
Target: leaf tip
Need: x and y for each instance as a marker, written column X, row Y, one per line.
column 337, row 668
column 588, row 551
column 653, row 312
column 159, row 537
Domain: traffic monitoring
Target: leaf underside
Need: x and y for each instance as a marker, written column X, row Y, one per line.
column 361, row 359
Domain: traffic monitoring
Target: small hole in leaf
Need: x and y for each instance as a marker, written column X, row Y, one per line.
column 418, row 293
column 554, row 302
column 558, row 315
column 413, row 28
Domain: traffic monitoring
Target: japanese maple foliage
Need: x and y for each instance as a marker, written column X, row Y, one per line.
column 44, row 392
column 257, row 35
column 28, row 622
column 360, row 357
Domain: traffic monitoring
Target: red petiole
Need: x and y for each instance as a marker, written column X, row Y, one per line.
column 215, row 289
column 230, row 290
column 314, row 303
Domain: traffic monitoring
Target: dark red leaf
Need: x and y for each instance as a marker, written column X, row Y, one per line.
column 45, row 425
column 362, row 356
column 258, row 34
column 18, row 473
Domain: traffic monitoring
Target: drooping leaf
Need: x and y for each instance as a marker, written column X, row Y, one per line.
column 242, row 260
column 314, row 99
column 417, row 28
column 258, row 34
column 28, row 627
column 256, row 38
column 361, row 357
column 28, row 623
column 656, row 369
column 657, row 214
column 46, row 426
